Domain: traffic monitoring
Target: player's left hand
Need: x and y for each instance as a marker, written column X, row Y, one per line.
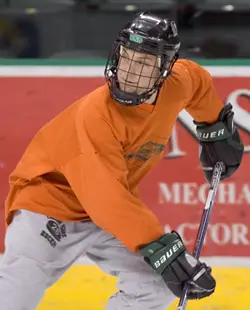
column 169, row 258
column 220, row 141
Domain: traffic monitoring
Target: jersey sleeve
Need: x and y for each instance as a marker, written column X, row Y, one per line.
column 98, row 178
column 204, row 104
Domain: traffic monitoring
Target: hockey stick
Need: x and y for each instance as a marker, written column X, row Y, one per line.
column 218, row 168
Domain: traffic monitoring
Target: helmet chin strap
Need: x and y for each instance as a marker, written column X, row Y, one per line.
column 153, row 97
column 129, row 99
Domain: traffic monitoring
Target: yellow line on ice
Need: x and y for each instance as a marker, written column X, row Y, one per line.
column 86, row 287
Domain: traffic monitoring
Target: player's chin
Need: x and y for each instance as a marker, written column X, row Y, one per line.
column 129, row 89
column 134, row 90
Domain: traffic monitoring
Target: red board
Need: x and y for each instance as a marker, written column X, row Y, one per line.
column 175, row 190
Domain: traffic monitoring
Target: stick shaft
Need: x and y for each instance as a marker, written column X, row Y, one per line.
column 203, row 224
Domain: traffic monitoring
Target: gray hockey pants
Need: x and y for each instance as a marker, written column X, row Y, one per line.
column 39, row 250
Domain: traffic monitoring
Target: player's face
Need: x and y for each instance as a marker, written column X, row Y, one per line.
column 137, row 72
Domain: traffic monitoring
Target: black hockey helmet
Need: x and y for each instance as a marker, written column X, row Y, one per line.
column 148, row 34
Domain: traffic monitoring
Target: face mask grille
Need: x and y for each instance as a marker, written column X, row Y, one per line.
column 137, row 72
column 133, row 76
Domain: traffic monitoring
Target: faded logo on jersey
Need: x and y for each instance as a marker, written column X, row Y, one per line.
column 147, row 150
column 56, row 230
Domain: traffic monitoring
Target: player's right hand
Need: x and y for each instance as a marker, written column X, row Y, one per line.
column 169, row 257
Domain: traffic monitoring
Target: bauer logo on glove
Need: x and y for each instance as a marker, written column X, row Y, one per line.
column 178, row 245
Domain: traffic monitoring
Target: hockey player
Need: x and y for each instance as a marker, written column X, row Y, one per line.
column 74, row 191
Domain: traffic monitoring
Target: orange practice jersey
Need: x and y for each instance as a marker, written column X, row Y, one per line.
column 88, row 161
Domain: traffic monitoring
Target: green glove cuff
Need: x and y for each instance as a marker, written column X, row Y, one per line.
column 211, row 133
column 160, row 253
